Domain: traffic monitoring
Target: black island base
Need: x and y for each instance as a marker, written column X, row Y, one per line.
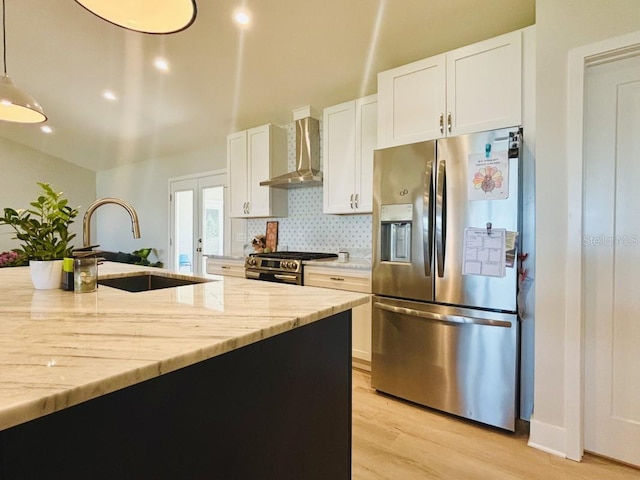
column 276, row 409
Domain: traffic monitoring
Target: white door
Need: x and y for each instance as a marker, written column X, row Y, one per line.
column 199, row 221
column 611, row 260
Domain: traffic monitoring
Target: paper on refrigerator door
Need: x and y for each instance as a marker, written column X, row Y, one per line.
column 489, row 176
column 484, row 252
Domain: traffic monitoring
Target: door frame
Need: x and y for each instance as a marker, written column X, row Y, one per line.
column 579, row 60
column 227, row 218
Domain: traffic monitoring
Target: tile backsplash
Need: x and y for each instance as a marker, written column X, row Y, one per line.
column 306, row 228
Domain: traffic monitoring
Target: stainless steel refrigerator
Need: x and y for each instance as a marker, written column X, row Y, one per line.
column 446, row 221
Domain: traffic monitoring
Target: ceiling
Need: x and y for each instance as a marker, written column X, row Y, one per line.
column 222, row 77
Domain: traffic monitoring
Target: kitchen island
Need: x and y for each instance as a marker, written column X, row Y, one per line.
column 227, row 379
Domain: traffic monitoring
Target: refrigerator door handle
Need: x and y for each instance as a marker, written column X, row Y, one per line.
column 427, row 219
column 442, row 318
column 441, row 216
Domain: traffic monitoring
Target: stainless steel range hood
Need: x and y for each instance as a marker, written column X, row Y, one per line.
column 307, row 172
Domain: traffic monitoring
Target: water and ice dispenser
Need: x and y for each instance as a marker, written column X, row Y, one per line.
column 395, row 232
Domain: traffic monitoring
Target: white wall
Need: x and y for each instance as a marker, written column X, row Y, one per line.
column 561, row 26
column 22, row 167
column 145, row 186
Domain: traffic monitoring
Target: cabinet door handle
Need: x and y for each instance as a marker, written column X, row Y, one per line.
column 337, row 279
column 351, row 201
column 357, row 195
column 442, row 123
column 449, row 122
column 225, row 267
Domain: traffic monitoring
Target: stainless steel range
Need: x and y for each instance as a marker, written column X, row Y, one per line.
column 280, row 267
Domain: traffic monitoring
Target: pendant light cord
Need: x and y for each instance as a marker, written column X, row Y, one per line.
column 4, row 40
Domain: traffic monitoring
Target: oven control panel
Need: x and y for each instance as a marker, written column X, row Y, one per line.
column 273, row 264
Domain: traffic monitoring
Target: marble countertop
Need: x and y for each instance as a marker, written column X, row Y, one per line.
column 59, row 348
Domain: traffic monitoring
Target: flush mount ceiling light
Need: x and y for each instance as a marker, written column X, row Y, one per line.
column 146, row 16
column 15, row 105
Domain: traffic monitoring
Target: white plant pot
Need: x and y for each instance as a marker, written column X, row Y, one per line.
column 47, row 274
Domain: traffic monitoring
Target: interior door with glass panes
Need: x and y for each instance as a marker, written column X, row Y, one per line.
column 199, row 222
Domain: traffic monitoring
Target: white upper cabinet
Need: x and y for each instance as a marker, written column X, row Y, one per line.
column 470, row 89
column 253, row 156
column 484, row 85
column 349, row 138
column 411, row 102
column 238, row 173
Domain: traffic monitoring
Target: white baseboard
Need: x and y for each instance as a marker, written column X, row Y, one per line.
column 548, row 438
column 361, row 364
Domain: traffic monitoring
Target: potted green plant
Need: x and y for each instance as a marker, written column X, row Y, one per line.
column 43, row 231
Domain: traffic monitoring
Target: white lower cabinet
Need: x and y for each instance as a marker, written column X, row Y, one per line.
column 232, row 267
column 355, row 280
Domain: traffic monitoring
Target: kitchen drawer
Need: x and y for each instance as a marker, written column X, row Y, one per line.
column 338, row 278
column 226, row 266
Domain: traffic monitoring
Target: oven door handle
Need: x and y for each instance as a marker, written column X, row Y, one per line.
column 285, row 277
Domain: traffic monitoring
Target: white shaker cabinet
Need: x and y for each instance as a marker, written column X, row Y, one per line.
column 349, row 138
column 253, row 156
column 355, row 280
column 470, row 89
column 411, row 102
column 231, row 267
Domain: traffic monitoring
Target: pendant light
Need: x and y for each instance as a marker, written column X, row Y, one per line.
column 16, row 105
column 146, row 16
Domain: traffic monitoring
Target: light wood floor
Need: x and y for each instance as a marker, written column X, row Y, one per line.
column 397, row 440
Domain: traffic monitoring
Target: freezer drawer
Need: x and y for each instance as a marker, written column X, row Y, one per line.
column 457, row 360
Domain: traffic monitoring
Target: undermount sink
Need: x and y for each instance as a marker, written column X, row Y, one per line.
column 144, row 282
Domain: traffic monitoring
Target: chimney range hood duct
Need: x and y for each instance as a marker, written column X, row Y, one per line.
column 307, row 172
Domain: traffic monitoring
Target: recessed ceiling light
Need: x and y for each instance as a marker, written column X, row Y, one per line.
column 46, row 129
column 161, row 64
column 242, row 17
column 109, row 95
